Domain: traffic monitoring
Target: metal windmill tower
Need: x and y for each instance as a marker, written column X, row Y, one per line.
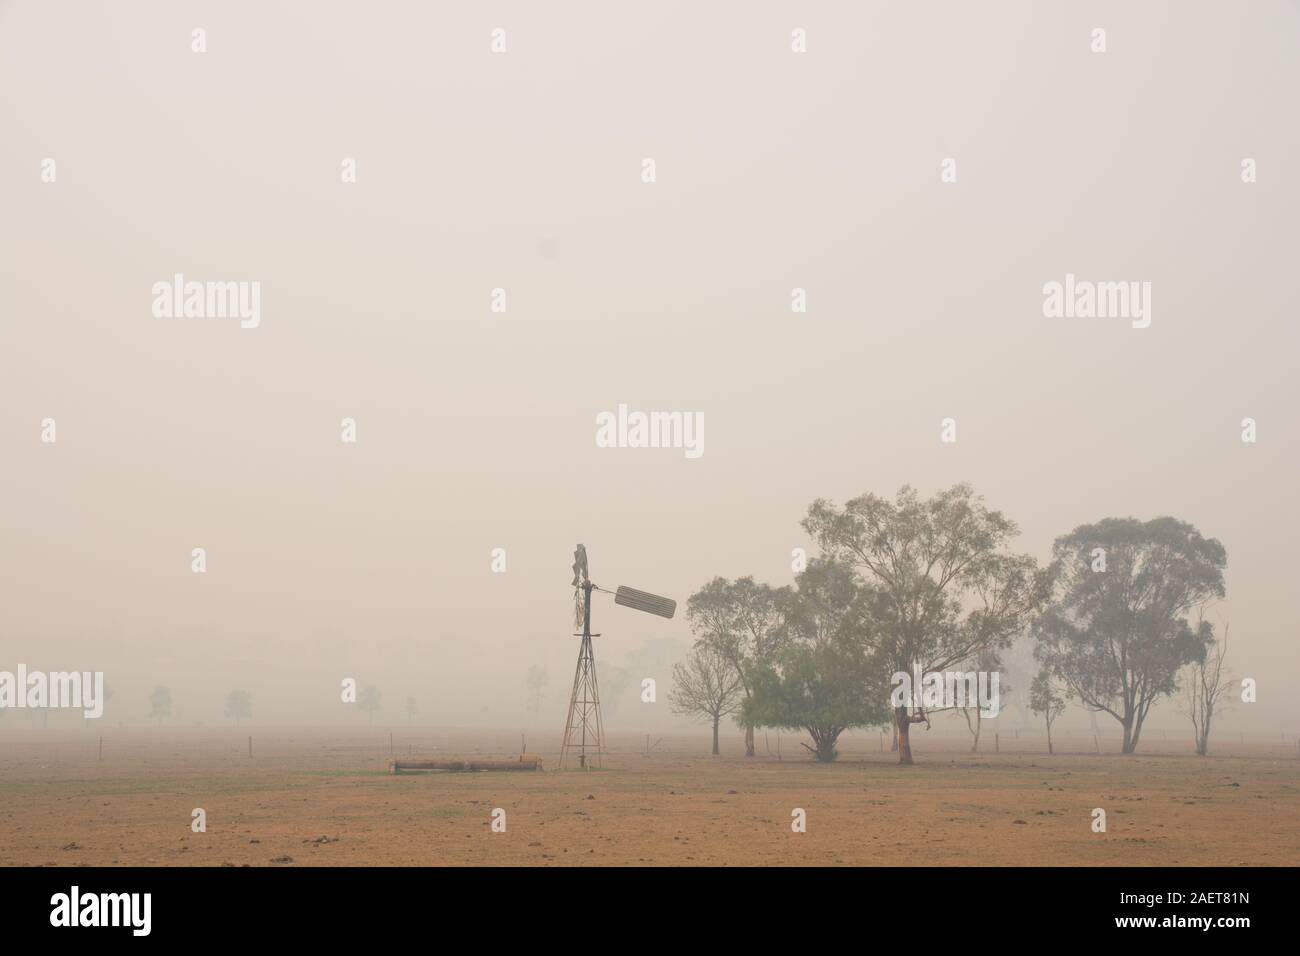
column 583, row 731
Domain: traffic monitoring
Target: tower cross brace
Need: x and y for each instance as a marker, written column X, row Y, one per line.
column 583, row 731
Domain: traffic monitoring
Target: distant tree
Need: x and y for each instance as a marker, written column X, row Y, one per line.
column 1205, row 683
column 986, row 662
column 536, row 681
column 822, row 680
column 705, row 686
column 654, row 659
column 948, row 587
column 239, row 705
column 614, row 682
column 1046, row 701
column 411, row 709
column 1018, row 668
column 656, row 656
column 1116, row 633
column 160, row 704
column 369, row 701
column 743, row 622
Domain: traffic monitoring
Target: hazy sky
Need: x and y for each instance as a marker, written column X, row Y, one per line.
column 523, row 171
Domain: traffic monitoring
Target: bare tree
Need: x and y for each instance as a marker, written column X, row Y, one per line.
column 744, row 622
column 1205, row 684
column 974, row 724
column 706, row 686
column 986, row 662
column 1045, row 699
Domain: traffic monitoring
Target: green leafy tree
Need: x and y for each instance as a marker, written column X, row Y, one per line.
column 822, row 680
column 1117, row 632
column 743, row 622
column 945, row 585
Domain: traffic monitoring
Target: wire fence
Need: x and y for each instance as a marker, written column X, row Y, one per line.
column 372, row 748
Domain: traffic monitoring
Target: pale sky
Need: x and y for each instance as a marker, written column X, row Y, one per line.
column 522, row 171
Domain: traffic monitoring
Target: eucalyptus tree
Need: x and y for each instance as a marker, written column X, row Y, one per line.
column 947, row 587
column 822, row 678
column 1117, row 631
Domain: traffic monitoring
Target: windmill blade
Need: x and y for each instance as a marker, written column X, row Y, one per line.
column 645, row 601
column 580, row 566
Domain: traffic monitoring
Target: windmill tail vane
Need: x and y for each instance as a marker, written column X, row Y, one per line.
column 583, row 729
column 645, row 601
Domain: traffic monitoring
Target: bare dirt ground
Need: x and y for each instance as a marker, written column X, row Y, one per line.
column 326, row 798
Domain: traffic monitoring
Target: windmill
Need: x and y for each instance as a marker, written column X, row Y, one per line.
column 583, row 731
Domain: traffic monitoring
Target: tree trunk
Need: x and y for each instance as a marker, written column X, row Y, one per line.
column 749, row 742
column 902, row 724
column 893, row 738
column 716, row 721
column 1049, row 736
column 1130, row 737
column 825, row 748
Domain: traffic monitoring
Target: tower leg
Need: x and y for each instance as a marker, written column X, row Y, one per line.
column 584, row 733
column 583, row 730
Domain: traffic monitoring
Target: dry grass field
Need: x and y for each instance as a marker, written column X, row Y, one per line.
column 315, row 797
